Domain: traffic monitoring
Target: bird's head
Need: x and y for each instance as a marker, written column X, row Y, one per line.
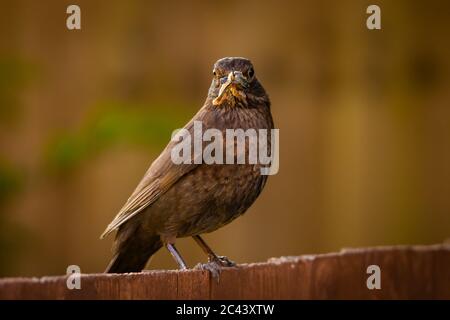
column 234, row 82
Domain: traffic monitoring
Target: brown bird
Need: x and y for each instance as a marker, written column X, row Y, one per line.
column 189, row 199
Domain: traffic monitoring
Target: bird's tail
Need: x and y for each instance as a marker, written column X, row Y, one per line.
column 132, row 254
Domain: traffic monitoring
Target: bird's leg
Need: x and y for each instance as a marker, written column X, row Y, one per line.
column 215, row 262
column 212, row 257
column 176, row 255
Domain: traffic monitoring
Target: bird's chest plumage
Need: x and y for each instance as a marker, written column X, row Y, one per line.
column 213, row 195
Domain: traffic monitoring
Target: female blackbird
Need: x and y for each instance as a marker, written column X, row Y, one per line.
column 189, row 199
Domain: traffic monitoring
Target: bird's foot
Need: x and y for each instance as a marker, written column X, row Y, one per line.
column 222, row 261
column 215, row 265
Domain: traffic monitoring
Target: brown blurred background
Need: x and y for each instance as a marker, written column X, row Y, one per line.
column 364, row 120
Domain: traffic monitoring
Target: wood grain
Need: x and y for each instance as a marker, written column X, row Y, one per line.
column 407, row 272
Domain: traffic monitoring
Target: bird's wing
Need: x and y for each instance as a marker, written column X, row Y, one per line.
column 161, row 175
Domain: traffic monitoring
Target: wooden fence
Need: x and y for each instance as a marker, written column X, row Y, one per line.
column 407, row 272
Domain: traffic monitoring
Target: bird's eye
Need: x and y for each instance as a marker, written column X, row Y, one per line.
column 250, row 73
column 214, row 73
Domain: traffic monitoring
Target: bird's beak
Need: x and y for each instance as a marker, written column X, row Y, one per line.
column 235, row 82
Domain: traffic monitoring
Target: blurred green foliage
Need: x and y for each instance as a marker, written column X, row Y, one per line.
column 110, row 124
column 11, row 182
column 15, row 73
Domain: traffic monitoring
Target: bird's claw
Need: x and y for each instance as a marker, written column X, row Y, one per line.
column 215, row 266
column 222, row 261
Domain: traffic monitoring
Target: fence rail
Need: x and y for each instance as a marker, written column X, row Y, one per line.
column 406, row 272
